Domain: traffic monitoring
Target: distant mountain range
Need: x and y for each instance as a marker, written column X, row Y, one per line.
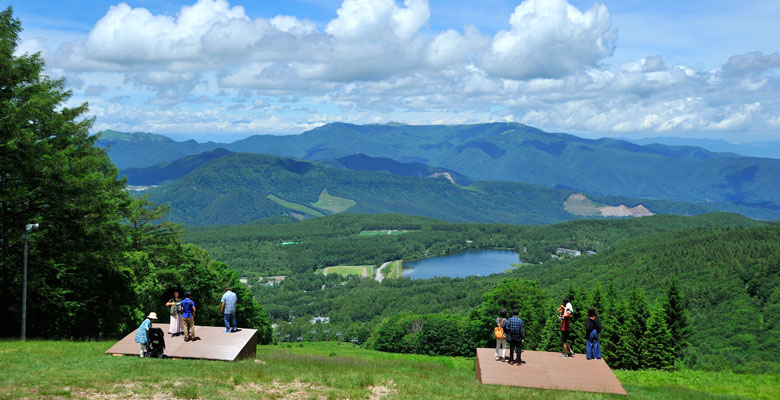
column 767, row 149
column 169, row 171
column 239, row 188
column 510, row 152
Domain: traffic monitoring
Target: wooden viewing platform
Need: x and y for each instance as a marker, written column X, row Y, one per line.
column 545, row 370
column 212, row 344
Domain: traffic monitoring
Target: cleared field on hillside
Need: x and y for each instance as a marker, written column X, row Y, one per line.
column 51, row 369
column 294, row 206
column 383, row 232
column 332, row 203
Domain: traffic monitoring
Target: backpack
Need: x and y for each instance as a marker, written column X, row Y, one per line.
column 498, row 331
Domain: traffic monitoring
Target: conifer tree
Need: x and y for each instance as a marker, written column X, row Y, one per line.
column 52, row 173
column 636, row 324
column 676, row 318
column 551, row 335
column 657, row 347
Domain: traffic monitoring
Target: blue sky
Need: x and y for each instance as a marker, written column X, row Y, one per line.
column 222, row 70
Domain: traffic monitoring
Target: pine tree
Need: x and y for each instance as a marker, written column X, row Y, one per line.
column 676, row 318
column 636, row 324
column 657, row 347
column 52, row 173
column 551, row 335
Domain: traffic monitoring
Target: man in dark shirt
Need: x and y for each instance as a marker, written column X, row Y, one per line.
column 516, row 336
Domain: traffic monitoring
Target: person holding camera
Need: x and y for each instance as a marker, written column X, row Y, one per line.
column 565, row 311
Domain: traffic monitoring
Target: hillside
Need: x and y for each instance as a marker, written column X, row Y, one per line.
column 730, row 278
column 322, row 370
column 240, row 188
column 140, row 149
column 362, row 162
column 169, row 171
column 519, row 153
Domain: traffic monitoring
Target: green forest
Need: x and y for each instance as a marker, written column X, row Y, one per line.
column 716, row 262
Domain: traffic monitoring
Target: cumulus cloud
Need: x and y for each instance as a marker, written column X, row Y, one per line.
column 550, row 38
column 213, row 68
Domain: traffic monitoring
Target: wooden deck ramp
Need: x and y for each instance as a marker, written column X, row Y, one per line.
column 212, row 344
column 544, row 370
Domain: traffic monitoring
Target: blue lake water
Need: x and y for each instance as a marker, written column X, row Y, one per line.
column 472, row 262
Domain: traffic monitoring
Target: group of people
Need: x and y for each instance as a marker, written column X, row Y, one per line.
column 182, row 313
column 512, row 332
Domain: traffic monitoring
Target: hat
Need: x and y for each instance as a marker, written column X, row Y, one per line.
column 152, row 315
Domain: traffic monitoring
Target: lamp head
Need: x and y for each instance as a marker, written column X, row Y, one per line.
column 31, row 227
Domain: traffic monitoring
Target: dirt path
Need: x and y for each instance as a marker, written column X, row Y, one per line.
column 379, row 277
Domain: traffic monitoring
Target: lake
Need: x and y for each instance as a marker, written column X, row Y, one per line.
column 458, row 265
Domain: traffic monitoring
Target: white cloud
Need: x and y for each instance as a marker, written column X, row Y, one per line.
column 550, row 38
column 212, row 68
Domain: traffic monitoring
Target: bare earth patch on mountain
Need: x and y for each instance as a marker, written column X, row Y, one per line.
column 579, row 204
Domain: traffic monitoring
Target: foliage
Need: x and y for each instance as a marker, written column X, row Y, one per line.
column 728, row 276
column 430, row 334
column 101, row 259
column 51, row 173
column 532, row 303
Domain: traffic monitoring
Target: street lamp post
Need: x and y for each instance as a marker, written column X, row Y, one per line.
column 27, row 229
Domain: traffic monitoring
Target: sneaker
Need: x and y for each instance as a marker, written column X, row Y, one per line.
column 564, row 355
column 498, row 358
column 226, row 331
column 511, row 363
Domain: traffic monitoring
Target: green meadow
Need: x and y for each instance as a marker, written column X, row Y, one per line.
column 324, row 370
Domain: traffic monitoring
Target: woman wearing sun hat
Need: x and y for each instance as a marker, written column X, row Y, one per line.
column 142, row 334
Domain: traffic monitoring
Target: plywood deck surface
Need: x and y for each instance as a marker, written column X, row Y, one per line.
column 545, row 370
column 213, row 344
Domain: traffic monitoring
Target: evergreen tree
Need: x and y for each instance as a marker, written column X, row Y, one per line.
column 657, row 348
column 52, row 173
column 676, row 318
column 616, row 340
column 551, row 335
column 531, row 301
column 636, row 324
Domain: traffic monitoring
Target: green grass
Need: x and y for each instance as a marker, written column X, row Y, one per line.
column 394, row 270
column 50, row 369
column 346, row 270
column 383, row 232
column 295, row 206
column 332, row 203
column 578, row 204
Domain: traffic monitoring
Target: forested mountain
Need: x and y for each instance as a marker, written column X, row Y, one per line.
column 362, row 162
column 140, row 149
column 240, row 188
column 513, row 152
column 169, row 171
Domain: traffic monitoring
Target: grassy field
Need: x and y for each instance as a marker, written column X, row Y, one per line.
column 346, row 270
column 295, row 206
column 51, row 369
column 332, row 203
column 383, row 232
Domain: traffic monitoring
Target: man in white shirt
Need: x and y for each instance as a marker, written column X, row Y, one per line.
column 228, row 307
